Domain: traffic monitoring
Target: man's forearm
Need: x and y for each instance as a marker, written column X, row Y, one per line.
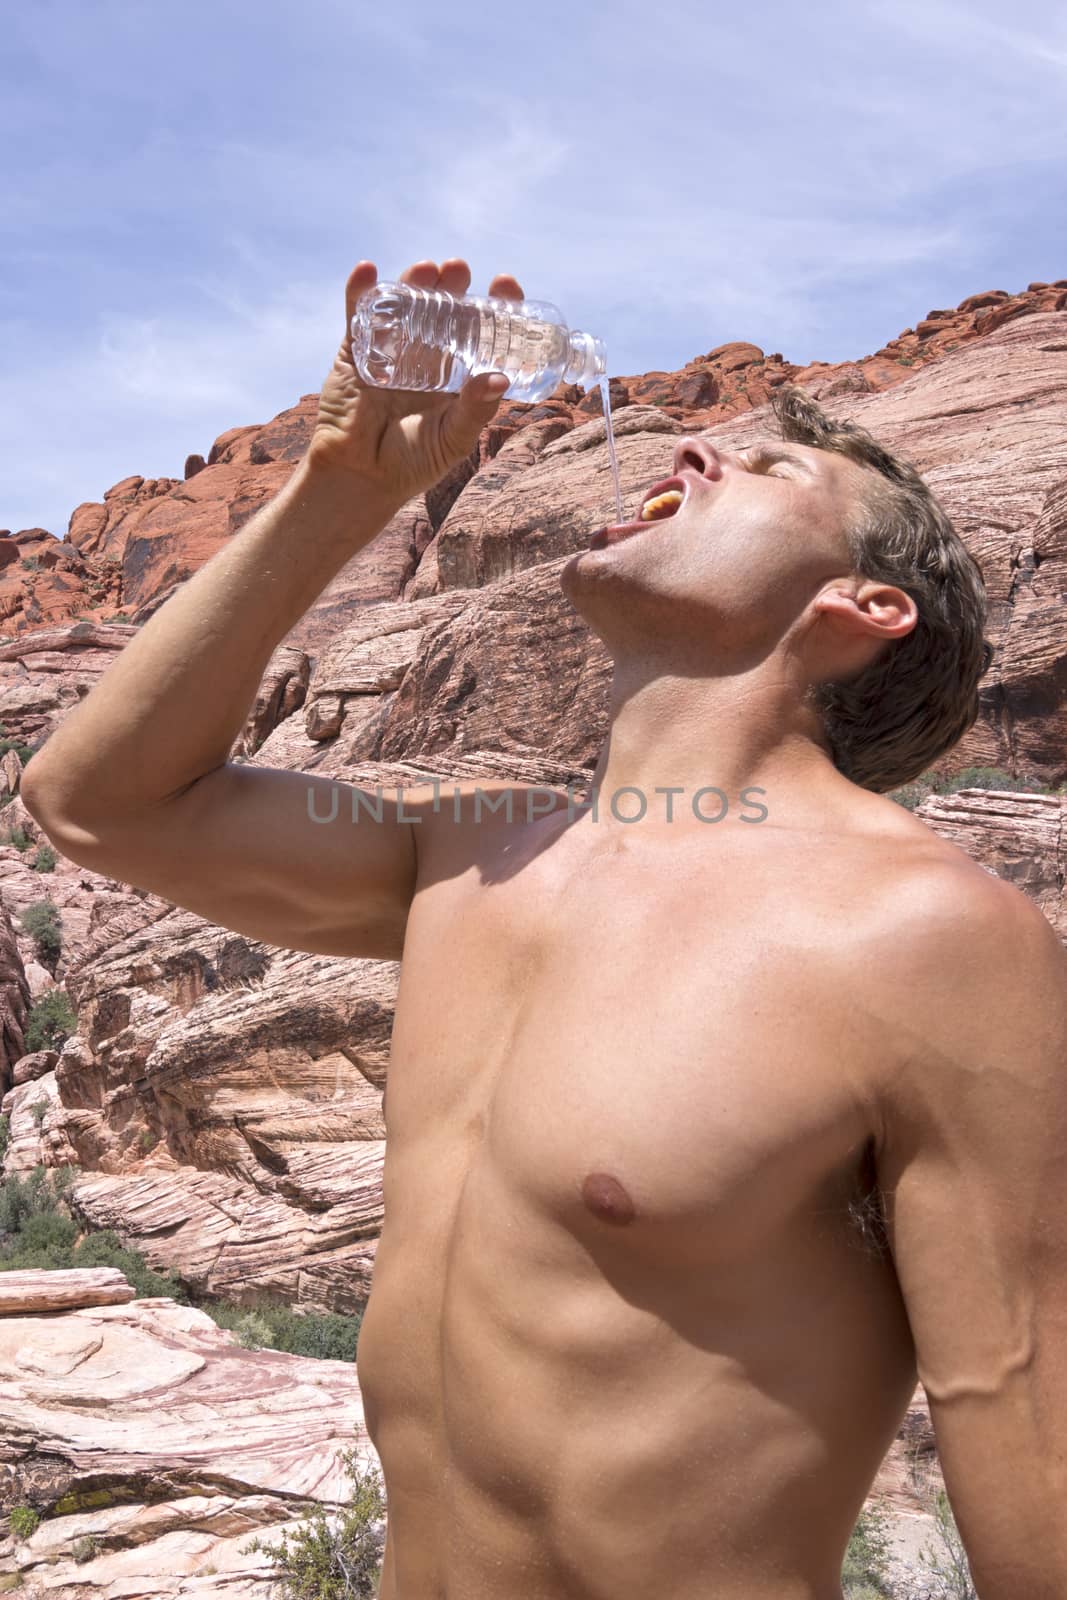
column 169, row 708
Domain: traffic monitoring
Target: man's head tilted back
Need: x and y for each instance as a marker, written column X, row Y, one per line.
column 920, row 694
column 820, row 561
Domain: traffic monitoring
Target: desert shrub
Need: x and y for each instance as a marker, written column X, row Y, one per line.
column 865, row 1570
column 16, row 836
column 45, row 859
column 85, row 1549
column 23, row 751
column 5, row 1134
column 40, row 1193
column 329, row 1337
column 992, row 778
column 36, row 1233
column 47, row 1230
column 253, row 1332
column 51, row 1021
column 106, row 1249
column 914, row 793
column 338, row 1555
column 147, row 1140
column 38, row 1111
column 947, row 1565
column 41, row 922
column 24, row 1521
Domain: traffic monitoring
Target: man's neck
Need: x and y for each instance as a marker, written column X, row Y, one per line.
column 685, row 733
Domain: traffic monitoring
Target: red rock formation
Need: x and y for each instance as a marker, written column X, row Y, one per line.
column 14, row 999
column 123, row 555
column 221, row 1098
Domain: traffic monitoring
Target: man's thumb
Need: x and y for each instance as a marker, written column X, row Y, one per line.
column 476, row 404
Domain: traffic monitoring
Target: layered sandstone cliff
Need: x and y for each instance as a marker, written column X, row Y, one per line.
column 222, row 1098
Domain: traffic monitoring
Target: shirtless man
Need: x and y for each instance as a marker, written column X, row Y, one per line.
column 704, row 1137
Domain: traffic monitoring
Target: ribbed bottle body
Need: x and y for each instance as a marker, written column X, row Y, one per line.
column 425, row 339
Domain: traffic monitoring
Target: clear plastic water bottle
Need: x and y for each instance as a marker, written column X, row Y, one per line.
column 405, row 338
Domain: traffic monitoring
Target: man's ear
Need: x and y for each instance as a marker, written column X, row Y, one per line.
column 863, row 606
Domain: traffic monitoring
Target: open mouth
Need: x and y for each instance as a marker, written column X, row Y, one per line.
column 662, row 501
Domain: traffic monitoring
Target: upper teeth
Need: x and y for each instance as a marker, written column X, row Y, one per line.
column 669, row 497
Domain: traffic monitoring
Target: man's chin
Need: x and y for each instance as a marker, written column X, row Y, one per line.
column 604, row 566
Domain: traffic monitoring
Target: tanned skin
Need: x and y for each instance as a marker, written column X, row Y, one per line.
column 625, row 1336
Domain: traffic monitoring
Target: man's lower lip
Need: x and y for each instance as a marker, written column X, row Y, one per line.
column 615, row 532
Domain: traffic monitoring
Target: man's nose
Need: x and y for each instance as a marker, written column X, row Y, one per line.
column 692, row 452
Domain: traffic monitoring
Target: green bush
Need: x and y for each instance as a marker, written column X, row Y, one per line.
column 16, row 836
column 41, row 922
column 5, row 1134
column 330, row 1337
column 23, row 751
column 39, row 1110
column 334, row 1556
column 253, row 1332
column 24, row 1521
column 45, row 859
column 51, row 1022
column 865, row 1570
column 21, row 1198
column 37, row 1232
column 47, row 1230
column 106, row 1249
column 914, row 793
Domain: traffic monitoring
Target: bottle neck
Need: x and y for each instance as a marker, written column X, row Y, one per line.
column 586, row 359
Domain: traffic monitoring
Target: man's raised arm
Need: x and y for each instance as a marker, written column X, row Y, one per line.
column 136, row 783
column 974, row 1164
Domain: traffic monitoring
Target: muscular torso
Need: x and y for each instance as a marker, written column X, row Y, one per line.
column 625, row 1336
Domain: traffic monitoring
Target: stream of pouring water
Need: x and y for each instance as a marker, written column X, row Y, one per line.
column 606, row 401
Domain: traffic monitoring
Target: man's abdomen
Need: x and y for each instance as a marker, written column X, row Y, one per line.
column 561, row 1417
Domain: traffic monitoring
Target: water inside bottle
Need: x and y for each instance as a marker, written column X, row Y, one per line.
column 606, row 402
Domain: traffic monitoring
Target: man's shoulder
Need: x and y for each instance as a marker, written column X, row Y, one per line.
column 965, row 968
column 950, row 916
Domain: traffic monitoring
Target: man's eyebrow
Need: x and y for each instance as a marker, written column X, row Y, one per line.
column 768, row 454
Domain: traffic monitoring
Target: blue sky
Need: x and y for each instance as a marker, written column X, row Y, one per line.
column 185, row 187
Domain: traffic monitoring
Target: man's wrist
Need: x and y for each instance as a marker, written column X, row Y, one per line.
column 357, row 508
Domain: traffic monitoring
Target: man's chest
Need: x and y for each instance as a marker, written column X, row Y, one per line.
column 625, row 1048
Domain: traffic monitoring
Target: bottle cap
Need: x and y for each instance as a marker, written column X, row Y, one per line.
column 587, row 360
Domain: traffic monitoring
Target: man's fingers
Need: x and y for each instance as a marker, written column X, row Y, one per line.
column 421, row 275
column 455, row 276
column 505, row 287
column 474, row 406
column 364, row 276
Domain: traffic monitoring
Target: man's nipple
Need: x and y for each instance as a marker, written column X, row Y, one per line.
column 607, row 1199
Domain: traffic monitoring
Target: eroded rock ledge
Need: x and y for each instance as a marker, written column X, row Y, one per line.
column 153, row 1447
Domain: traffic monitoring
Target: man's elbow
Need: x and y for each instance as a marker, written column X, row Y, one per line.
column 45, row 802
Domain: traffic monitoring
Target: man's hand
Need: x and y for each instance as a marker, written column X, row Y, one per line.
column 395, row 442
